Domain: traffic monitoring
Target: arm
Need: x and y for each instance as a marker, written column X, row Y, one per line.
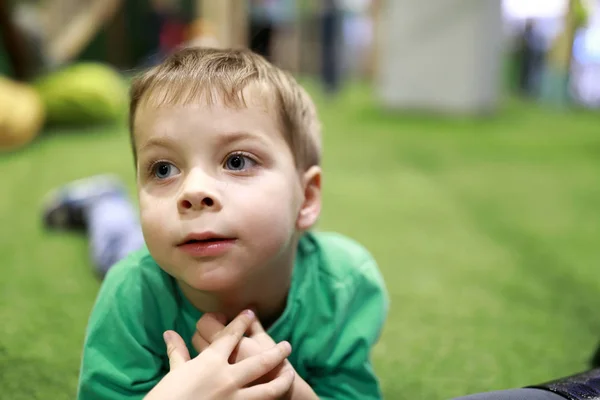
column 118, row 360
column 346, row 371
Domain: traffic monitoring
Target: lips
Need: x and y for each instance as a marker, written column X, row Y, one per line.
column 206, row 244
column 203, row 237
column 211, row 240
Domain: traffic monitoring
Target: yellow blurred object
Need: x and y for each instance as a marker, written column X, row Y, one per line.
column 198, row 28
column 562, row 48
column 22, row 114
column 201, row 33
column 581, row 14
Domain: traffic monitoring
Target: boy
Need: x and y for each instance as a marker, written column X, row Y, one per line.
column 227, row 151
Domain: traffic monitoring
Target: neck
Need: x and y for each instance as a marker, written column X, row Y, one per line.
column 265, row 292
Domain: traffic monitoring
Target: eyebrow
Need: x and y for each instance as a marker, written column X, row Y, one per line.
column 157, row 141
column 237, row 136
column 224, row 138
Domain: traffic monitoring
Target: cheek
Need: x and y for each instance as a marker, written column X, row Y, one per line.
column 270, row 212
column 153, row 218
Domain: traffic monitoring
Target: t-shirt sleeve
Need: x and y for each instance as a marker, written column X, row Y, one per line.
column 346, row 371
column 118, row 358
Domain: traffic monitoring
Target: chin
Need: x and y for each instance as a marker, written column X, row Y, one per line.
column 215, row 280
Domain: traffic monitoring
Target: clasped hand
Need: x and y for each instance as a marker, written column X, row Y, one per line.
column 229, row 365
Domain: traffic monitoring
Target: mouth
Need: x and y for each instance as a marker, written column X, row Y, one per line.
column 206, row 245
column 204, row 238
column 203, row 241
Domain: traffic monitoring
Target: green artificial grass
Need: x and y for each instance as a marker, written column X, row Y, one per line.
column 487, row 232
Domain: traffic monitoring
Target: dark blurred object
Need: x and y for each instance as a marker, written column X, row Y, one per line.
column 596, row 359
column 14, row 43
column 273, row 31
column 532, row 56
column 331, row 29
column 261, row 27
column 169, row 29
column 583, row 386
column 261, row 34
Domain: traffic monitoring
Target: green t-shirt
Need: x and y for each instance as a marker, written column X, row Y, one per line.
column 335, row 311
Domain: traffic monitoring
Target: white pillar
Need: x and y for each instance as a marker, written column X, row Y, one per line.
column 440, row 55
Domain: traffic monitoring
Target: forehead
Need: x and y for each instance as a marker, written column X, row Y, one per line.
column 254, row 113
column 220, row 93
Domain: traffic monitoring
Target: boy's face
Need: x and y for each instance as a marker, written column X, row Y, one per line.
column 219, row 192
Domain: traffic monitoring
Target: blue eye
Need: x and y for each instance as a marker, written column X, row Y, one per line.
column 164, row 170
column 239, row 162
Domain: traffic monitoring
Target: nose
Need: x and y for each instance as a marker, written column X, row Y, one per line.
column 198, row 193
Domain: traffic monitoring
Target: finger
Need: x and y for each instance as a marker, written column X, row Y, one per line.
column 209, row 327
column 274, row 389
column 250, row 369
column 176, row 350
column 257, row 332
column 221, row 318
column 199, row 343
column 228, row 338
column 256, row 328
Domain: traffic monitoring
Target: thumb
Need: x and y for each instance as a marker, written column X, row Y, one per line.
column 176, row 350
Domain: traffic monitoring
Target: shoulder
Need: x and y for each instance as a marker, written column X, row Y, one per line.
column 346, row 301
column 342, row 260
column 137, row 272
column 123, row 350
column 136, row 289
column 343, row 277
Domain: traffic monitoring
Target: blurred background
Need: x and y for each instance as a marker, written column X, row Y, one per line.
column 462, row 147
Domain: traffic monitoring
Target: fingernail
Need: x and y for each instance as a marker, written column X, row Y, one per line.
column 287, row 346
column 291, row 373
column 249, row 313
column 167, row 336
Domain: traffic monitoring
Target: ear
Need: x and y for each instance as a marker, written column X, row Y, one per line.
column 311, row 207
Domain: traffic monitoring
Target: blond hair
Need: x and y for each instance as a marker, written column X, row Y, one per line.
column 204, row 74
